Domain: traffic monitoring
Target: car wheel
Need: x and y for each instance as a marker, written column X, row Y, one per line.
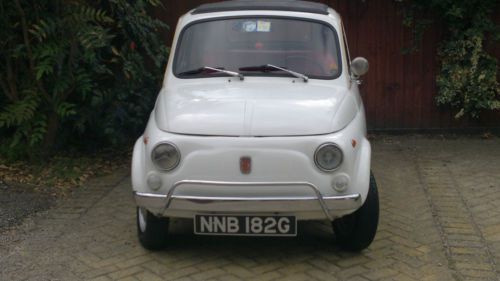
column 152, row 230
column 356, row 231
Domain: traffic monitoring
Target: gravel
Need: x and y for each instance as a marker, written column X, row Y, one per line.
column 19, row 201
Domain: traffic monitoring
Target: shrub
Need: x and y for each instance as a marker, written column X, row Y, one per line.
column 79, row 71
column 468, row 76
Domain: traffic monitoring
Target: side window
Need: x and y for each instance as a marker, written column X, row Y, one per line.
column 346, row 46
column 183, row 59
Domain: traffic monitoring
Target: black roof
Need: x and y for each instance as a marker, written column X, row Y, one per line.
column 276, row 5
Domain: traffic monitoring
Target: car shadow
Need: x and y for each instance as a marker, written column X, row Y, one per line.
column 312, row 236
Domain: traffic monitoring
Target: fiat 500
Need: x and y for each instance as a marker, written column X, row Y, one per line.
column 259, row 124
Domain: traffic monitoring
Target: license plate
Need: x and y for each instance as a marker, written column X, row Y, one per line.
column 245, row 225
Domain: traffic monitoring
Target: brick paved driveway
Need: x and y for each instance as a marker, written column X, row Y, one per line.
column 440, row 220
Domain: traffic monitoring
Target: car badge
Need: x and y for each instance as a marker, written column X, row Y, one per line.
column 245, row 165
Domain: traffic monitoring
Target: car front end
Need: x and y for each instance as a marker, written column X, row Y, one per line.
column 259, row 124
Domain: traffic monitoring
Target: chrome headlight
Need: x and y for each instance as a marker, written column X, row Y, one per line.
column 328, row 157
column 165, row 156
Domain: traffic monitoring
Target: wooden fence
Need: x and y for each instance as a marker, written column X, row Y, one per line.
column 399, row 91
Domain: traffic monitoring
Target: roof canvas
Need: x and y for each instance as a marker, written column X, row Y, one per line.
column 274, row 5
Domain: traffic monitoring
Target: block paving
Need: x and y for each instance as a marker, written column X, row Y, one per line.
column 440, row 220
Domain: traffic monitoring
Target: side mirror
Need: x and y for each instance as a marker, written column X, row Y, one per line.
column 359, row 66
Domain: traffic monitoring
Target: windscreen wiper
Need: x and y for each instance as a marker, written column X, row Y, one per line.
column 219, row 69
column 271, row 67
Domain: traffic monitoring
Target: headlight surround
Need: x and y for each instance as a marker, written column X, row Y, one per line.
column 165, row 156
column 328, row 157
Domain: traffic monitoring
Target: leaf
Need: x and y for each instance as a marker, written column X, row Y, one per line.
column 18, row 113
column 115, row 51
column 45, row 28
column 66, row 109
column 90, row 14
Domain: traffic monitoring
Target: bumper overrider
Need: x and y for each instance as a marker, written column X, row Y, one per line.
column 303, row 207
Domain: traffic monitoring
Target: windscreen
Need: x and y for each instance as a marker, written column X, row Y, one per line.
column 244, row 44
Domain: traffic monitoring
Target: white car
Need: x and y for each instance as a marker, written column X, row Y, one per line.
column 259, row 124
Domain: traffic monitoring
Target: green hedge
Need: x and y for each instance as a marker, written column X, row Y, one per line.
column 76, row 73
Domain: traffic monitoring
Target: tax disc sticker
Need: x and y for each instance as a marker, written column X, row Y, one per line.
column 263, row 26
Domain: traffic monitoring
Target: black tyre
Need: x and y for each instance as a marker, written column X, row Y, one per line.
column 356, row 231
column 152, row 230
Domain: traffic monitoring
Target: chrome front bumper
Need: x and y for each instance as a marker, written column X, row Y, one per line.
column 171, row 204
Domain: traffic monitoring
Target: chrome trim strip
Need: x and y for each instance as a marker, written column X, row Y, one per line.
column 210, row 198
column 354, row 197
column 149, row 195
